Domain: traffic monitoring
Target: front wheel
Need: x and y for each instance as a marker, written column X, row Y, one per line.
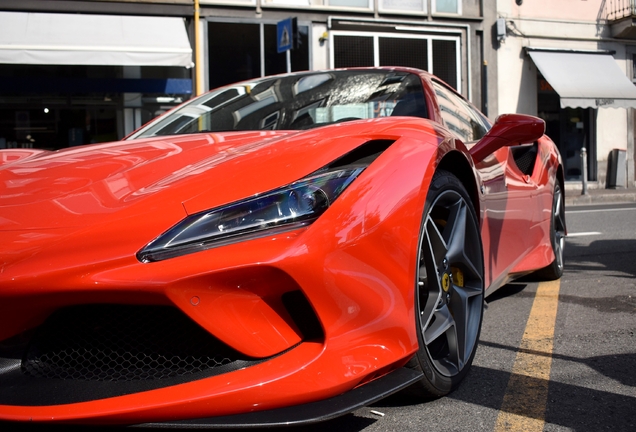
column 450, row 288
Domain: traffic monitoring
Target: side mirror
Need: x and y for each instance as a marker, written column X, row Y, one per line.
column 508, row 130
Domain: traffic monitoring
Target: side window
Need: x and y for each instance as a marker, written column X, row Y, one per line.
column 459, row 116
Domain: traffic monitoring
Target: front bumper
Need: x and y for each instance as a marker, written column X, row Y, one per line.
column 355, row 266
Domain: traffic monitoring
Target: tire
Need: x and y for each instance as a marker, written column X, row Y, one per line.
column 557, row 236
column 449, row 300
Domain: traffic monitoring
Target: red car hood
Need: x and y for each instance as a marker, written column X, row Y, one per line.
column 85, row 185
column 101, row 179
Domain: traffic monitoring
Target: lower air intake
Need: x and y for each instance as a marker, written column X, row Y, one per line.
column 123, row 343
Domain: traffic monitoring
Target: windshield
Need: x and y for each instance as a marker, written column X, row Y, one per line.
column 295, row 101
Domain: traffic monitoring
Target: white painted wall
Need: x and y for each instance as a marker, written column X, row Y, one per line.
column 517, row 86
column 571, row 10
column 611, row 131
column 319, row 50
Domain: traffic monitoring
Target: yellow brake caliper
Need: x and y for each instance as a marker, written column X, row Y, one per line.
column 458, row 275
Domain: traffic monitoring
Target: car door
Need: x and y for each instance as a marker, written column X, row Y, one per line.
column 506, row 215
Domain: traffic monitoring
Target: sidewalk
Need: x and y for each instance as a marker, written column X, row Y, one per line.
column 573, row 197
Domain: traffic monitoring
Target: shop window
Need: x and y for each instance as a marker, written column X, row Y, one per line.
column 404, row 52
column 445, row 61
column 234, row 52
column 275, row 62
column 437, row 54
column 353, row 51
column 57, row 106
column 571, row 129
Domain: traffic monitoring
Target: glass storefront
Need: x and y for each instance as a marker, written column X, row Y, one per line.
column 54, row 106
column 239, row 51
column 571, row 129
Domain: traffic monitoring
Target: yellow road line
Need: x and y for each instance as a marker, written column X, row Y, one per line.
column 524, row 404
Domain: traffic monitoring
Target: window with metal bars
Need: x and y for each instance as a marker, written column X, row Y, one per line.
column 438, row 55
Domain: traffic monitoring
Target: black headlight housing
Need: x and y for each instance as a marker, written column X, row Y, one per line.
column 286, row 208
column 282, row 209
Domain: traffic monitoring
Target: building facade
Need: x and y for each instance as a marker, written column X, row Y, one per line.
column 57, row 99
column 80, row 72
column 449, row 38
column 570, row 63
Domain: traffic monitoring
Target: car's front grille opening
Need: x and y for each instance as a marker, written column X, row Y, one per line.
column 89, row 352
column 123, row 343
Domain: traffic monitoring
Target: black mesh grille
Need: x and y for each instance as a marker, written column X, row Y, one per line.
column 524, row 158
column 403, row 52
column 353, row 51
column 445, row 61
column 122, row 343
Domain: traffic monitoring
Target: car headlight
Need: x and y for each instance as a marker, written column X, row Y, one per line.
column 283, row 209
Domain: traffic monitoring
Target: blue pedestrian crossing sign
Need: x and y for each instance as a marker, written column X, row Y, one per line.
column 285, row 35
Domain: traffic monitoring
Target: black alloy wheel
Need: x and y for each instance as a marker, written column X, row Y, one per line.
column 450, row 288
column 557, row 236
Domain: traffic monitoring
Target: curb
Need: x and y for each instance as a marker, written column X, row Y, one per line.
column 599, row 196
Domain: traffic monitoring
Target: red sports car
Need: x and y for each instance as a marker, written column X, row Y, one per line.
column 278, row 251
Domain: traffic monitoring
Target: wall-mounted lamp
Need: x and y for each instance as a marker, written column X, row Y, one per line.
column 519, row 2
column 323, row 37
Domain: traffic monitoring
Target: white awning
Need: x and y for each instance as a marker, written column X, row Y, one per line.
column 75, row 39
column 586, row 80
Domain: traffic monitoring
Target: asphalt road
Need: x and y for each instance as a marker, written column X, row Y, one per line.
column 566, row 362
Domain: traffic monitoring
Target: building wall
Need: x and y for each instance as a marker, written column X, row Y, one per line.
column 570, row 10
column 474, row 22
column 564, row 24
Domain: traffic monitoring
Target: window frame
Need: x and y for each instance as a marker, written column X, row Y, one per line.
column 376, row 53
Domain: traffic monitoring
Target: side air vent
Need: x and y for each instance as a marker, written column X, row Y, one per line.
column 524, row 157
column 364, row 154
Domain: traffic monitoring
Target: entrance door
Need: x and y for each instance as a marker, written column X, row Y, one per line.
column 574, row 137
column 571, row 129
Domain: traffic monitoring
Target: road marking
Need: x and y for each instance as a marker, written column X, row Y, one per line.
column 524, row 404
column 584, row 234
column 600, row 210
